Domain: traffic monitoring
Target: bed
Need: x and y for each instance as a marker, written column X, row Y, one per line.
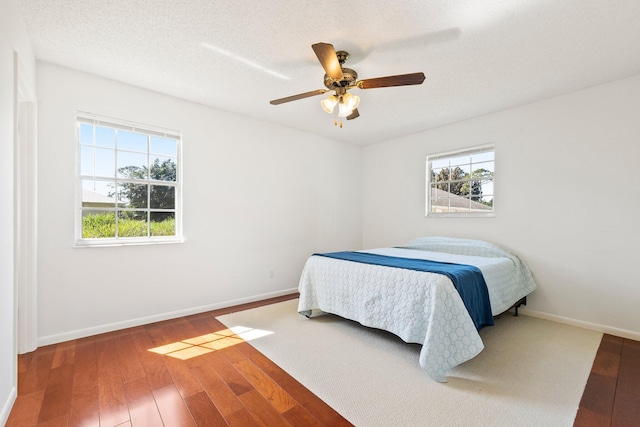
column 396, row 289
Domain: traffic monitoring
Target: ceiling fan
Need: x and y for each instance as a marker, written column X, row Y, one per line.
column 340, row 79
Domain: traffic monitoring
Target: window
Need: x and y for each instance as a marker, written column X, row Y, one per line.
column 460, row 183
column 128, row 183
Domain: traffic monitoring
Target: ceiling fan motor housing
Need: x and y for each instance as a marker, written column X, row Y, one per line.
column 348, row 80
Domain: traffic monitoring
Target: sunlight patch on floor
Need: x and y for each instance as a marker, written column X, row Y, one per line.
column 203, row 344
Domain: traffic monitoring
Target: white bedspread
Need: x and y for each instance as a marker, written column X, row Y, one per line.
column 419, row 307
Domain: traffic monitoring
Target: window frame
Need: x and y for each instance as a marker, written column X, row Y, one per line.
column 469, row 151
column 148, row 131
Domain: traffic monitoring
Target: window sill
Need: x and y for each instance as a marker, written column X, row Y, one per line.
column 101, row 243
column 461, row 215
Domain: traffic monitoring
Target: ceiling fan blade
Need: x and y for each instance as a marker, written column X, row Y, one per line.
column 299, row 96
column 399, row 80
column 327, row 56
column 353, row 115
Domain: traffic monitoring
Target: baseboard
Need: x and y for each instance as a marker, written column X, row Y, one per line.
column 624, row 333
column 6, row 408
column 81, row 333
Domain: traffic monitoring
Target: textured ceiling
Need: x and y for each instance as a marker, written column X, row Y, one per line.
column 479, row 56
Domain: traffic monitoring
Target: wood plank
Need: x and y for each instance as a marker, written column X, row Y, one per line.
column 182, row 377
column 316, row 406
column 36, row 377
column 85, row 372
column 26, row 409
column 587, row 418
column 629, row 371
column 232, row 354
column 153, row 364
column 626, row 408
column 64, row 354
column 130, row 367
column 599, row 394
column 142, row 405
column 227, row 372
column 172, row 408
column 610, row 344
column 606, row 364
column 111, row 397
column 298, row 416
column 262, row 410
column 203, row 411
column 268, row 388
column 57, row 397
column 219, row 392
column 23, row 362
column 200, row 323
column 242, row 418
column 85, row 409
column 61, row 421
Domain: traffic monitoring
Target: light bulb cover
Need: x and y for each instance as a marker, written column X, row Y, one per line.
column 351, row 101
column 329, row 104
column 343, row 110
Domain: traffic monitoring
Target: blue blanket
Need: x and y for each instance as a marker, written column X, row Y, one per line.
column 467, row 279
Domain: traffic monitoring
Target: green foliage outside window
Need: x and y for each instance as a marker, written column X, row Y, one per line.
column 103, row 225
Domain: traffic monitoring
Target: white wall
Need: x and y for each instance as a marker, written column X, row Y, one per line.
column 567, row 199
column 13, row 38
column 257, row 197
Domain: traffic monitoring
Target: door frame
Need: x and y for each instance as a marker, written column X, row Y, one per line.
column 25, row 210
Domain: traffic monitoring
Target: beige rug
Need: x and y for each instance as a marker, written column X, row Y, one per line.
column 532, row 372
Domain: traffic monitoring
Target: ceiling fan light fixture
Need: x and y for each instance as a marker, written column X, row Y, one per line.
column 350, row 101
column 343, row 111
column 329, row 104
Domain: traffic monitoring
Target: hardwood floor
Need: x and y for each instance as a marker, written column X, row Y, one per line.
column 189, row 371
column 192, row 371
column 612, row 394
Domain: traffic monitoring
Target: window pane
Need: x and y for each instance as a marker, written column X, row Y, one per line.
column 442, row 175
column 440, row 204
column 163, row 168
column 86, row 160
column 462, row 182
column 460, row 172
column 105, row 162
column 487, row 199
column 131, row 195
column 132, row 165
column 483, row 169
column 86, row 134
column 132, row 141
column 163, row 223
column 163, row 197
column 487, row 187
column 458, row 161
column 105, row 137
column 164, row 146
column 441, row 163
column 482, row 157
column 96, row 224
column 444, row 187
column 133, row 224
column 98, row 194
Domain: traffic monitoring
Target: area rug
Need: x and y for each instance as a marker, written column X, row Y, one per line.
column 532, row 372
